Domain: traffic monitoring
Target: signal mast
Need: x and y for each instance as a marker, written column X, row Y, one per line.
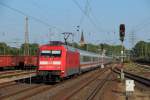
column 122, row 35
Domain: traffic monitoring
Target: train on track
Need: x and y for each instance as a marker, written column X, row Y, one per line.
column 17, row 62
column 58, row 61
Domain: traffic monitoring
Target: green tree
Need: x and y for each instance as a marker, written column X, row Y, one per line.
column 141, row 51
column 3, row 48
column 33, row 49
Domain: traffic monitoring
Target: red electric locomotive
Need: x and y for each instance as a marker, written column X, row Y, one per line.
column 57, row 60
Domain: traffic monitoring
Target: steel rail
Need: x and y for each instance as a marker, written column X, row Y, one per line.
column 72, row 93
column 98, row 88
column 8, row 72
column 18, row 92
column 145, row 66
column 30, row 92
column 135, row 77
column 16, row 74
column 25, row 97
column 7, row 84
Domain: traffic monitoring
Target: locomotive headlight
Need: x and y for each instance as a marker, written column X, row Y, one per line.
column 56, row 62
column 43, row 62
column 62, row 71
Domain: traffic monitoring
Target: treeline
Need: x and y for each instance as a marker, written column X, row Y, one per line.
column 7, row 50
column 110, row 50
column 33, row 48
column 141, row 51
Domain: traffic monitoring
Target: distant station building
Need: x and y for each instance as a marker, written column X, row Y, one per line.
column 82, row 42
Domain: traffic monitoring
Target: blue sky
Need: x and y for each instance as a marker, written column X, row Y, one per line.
column 100, row 24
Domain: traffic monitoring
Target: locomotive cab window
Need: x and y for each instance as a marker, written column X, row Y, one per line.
column 56, row 53
column 51, row 53
column 45, row 53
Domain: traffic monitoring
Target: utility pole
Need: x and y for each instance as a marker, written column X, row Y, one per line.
column 26, row 45
column 132, row 39
column 102, row 55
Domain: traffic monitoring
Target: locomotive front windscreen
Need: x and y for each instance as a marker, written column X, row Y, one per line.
column 51, row 53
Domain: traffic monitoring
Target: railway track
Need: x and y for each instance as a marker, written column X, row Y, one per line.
column 29, row 92
column 25, row 91
column 98, row 86
column 26, row 97
column 25, row 94
column 16, row 76
column 135, row 77
column 71, row 90
column 144, row 66
column 7, row 84
column 9, row 72
column 16, row 73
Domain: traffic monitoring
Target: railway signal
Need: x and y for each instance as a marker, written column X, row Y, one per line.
column 122, row 32
column 122, row 35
